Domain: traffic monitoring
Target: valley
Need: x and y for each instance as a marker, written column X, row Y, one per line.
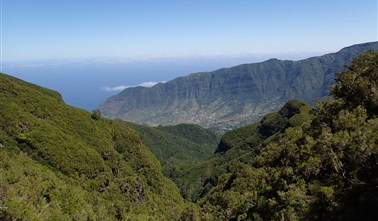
column 301, row 162
column 188, row 110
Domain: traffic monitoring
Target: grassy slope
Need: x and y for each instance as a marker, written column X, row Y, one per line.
column 71, row 166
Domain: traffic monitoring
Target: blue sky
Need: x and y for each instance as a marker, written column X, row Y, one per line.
column 89, row 50
column 56, row 29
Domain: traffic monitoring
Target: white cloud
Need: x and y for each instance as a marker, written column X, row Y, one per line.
column 122, row 87
column 148, row 84
column 117, row 88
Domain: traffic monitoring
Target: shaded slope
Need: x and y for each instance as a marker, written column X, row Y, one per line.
column 183, row 142
column 238, row 144
column 231, row 97
column 72, row 165
column 178, row 148
column 292, row 114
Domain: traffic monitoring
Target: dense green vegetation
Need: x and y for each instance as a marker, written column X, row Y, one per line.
column 62, row 163
column 183, row 142
column 179, row 148
column 58, row 162
column 185, row 150
column 232, row 97
column 236, row 144
column 292, row 114
column 325, row 169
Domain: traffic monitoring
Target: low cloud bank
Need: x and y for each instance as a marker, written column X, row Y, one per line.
column 122, row 87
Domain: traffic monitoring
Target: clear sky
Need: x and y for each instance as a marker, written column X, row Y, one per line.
column 45, row 29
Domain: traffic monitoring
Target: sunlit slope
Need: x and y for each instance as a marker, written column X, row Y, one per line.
column 63, row 163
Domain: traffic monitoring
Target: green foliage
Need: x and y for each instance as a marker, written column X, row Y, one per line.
column 183, row 142
column 96, row 114
column 240, row 145
column 58, row 162
column 293, row 113
column 358, row 85
column 179, row 149
column 323, row 170
column 242, row 137
column 190, row 213
column 271, row 124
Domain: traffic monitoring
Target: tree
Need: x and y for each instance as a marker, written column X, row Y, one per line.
column 358, row 84
column 96, row 114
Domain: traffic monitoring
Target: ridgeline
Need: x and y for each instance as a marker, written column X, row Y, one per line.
column 231, row 97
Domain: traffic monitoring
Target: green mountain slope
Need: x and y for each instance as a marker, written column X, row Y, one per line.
column 231, row 97
column 178, row 148
column 183, row 142
column 292, row 114
column 240, row 143
column 62, row 163
column 325, row 169
column 58, row 162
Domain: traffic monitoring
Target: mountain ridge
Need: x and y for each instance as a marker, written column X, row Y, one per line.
column 231, row 97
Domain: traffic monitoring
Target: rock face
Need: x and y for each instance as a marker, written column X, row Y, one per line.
column 231, row 97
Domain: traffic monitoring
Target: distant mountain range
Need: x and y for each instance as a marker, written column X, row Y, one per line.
column 231, row 97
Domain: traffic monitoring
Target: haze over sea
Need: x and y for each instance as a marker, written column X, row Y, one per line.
column 85, row 83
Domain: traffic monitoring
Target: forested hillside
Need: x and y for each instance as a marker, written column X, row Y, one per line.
column 58, row 162
column 183, row 142
column 178, row 148
column 325, row 169
column 196, row 181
